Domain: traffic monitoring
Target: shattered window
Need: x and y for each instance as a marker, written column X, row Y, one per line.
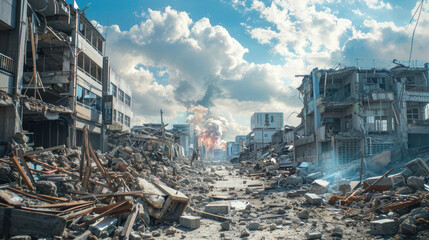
column 114, row 115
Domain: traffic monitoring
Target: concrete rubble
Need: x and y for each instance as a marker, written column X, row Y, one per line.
column 143, row 188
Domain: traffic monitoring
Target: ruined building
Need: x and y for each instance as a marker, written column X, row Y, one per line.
column 54, row 76
column 352, row 111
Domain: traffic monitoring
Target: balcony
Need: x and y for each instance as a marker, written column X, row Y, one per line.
column 7, row 64
column 418, row 126
column 417, row 93
column 88, row 113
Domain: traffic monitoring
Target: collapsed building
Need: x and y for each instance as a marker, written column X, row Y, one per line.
column 352, row 112
column 55, row 76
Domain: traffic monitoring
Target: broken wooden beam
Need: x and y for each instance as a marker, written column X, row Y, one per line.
column 21, row 172
column 128, row 226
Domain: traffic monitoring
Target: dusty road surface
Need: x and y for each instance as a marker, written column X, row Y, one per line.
column 259, row 213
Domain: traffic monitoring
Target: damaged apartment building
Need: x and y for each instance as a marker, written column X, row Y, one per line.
column 353, row 111
column 54, row 76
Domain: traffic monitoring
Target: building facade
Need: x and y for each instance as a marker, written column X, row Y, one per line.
column 263, row 125
column 54, row 74
column 122, row 102
column 352, row 111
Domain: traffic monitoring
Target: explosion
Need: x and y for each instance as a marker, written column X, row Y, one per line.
column 210, row 127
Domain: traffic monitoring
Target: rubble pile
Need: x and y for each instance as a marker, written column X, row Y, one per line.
column 130, row 192
column 384, row 203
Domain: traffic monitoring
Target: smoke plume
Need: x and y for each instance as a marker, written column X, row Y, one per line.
column 211, row 128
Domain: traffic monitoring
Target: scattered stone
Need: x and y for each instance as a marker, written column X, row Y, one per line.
column 135, row 236
column 416, row 182
column 253, row 226
column 384, row 227
column 345, row 188
column 313, row 199
column 273, row 226
column 191, row 222
column 170, row 231
column 218, row 208
column 46, row 188
column 319, row 186
column 337, row 232
column 156, row 233
column 244, row 233
column 304, row 214
column 20, row 237
column 225, row 226
column 313, row 235
column 409, row 226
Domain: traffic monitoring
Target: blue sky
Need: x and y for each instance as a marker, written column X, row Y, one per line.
column 236, row 57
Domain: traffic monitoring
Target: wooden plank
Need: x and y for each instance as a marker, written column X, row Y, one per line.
column 107, row 212
column 20, row 156
column 65, row 171
column 85, row 150
column 21, row 172
column 20, row 222
column 128, row 226
column 107, row 195
column 100, row 167
column 44, row 150
column 369, row 188
column 149, row 163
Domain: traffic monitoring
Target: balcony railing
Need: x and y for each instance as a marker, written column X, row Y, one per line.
column 7, row 64
column 417, row 88
column 418, row 122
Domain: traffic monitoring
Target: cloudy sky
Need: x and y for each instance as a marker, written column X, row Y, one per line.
column 236, row 57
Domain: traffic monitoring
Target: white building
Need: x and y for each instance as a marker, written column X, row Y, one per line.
column 264, row 125
column 122, row 102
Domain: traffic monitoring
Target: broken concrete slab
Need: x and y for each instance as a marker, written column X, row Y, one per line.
column 191, row 222
column 384, row 227
column 319, row 186
column 313, row 235
column 416, row 182
column 313, row 198
column 418, row 167
column 218, row 207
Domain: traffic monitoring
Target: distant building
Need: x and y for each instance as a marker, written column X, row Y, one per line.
column 236, row 147
column 263, row 125
column 219, row 154
column 186, row 134
column 232, row 149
